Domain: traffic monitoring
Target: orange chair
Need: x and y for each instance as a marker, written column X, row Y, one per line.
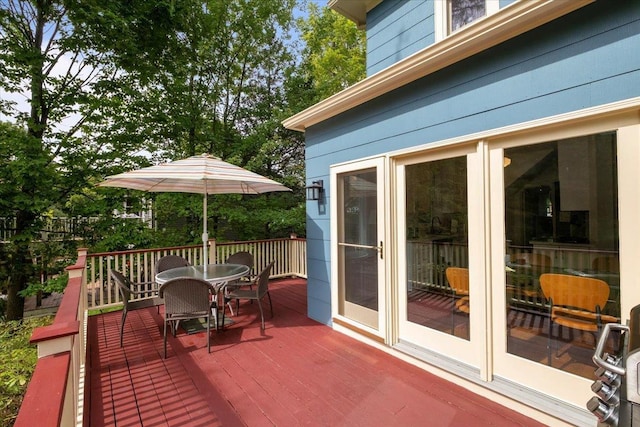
column 458, row 279
column 575, row 302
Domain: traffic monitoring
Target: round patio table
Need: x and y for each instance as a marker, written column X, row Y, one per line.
column 216, row 274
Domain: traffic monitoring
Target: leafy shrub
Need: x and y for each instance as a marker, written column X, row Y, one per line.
column 56, row 284
column 18, row 360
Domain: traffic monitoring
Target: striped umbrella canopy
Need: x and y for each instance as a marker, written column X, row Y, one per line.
column 202, row 174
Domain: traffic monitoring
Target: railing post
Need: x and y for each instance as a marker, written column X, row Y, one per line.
column 213, row 255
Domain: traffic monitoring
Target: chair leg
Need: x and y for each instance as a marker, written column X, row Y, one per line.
column 270, row 304
column 124, row 317
column 214, row 311
column 208, row 319
column 222, row 326
column 261, row 314
column 165, row 339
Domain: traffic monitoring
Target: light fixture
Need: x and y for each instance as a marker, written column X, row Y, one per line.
column 506, row 161
column 314, row 191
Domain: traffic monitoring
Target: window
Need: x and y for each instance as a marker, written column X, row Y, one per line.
column 463, row 12
column 452, row 15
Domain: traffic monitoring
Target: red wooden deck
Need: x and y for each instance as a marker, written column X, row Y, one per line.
column 296, row 372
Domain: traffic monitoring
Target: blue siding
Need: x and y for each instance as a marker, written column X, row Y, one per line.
column 397, row 29
column 587, row 58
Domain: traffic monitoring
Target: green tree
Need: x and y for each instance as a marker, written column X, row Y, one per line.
column 334, row 55
column 221, row 93
column 113, row 86
column 26, row 177
column 64, row 77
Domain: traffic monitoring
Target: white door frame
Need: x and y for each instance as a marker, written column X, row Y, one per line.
column 380, row 332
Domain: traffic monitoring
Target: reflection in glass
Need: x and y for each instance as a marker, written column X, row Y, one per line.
column 437, row 249
column 464, row 12
column 561, row 222
column 360, row 229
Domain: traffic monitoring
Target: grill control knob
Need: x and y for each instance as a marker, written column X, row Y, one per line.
column 605, row 413
column 608, row 393
column 608, row 377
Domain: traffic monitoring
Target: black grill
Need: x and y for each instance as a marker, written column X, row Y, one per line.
column 617, row 394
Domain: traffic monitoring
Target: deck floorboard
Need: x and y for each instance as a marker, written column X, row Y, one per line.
column 296, row 372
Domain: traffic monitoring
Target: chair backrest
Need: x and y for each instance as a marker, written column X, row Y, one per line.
column 263, row 280
column 585, row 293
column 168, row 262
column 458, row 279
column 242, row 257
column 185, row 295
column 124, row 285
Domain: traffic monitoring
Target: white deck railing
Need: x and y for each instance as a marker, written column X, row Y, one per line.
column 139, row 265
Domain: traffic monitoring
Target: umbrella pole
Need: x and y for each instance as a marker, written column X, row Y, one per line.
column 205, row 235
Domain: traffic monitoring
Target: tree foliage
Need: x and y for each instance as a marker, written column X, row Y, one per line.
column 334, row 55
column 118, row 85
column 113, row 86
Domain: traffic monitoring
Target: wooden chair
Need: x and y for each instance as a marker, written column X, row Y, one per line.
column 262, row 289
column 186, row 298
column 575, row 302
column 125, row 287
column 458, row 279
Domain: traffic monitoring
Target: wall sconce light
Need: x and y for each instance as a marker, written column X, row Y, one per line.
column 314, row 191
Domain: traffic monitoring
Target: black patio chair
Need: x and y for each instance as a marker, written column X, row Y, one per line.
column 243, row 258
column 168, row 262
column 262, row 289
column 186, row 298
column 125, row 287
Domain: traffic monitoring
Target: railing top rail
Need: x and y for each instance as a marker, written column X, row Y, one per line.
column 174, row 248
column 135, row 251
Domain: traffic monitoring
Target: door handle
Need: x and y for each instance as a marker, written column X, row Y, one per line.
column 380, row 249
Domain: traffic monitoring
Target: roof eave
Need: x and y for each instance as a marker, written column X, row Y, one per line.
column 354, row 10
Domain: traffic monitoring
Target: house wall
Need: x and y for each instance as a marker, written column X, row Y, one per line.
column 587, row 58
column 398, row 29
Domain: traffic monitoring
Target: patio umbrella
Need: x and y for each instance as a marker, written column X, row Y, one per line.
column 202, row 174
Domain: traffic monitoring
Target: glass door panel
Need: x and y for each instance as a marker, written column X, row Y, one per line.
column 437, row 294
column 561, row 230
column 440, row 217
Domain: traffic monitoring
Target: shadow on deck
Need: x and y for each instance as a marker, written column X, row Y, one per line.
column 296, row 372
